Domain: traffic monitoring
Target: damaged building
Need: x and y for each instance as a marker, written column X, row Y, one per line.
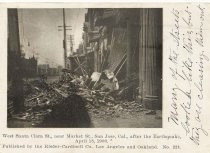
column 128, row 43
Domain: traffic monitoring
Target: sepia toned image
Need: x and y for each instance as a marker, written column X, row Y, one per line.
column 84, row 68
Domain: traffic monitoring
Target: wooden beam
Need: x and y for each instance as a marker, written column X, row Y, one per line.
column 35, row 97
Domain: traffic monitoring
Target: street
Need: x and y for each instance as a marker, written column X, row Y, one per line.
column 113, row 115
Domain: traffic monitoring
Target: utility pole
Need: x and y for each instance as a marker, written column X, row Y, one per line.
column 64, row 39
column 64, row 43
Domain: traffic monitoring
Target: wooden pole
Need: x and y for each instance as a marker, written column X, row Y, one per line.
column 64, row 40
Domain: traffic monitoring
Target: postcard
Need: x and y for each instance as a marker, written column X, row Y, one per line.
column 105, row 77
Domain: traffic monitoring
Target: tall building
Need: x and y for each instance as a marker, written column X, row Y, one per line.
column 15, row 69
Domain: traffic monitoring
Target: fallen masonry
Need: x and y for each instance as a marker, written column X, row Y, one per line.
column 69, row 102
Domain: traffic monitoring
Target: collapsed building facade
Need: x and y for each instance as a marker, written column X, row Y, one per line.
column 127, row 42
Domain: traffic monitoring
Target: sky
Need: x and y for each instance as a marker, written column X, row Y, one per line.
column 39, row 33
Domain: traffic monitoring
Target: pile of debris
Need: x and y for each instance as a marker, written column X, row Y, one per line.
column 103, row 97
column 72, row 101
column 41, row 98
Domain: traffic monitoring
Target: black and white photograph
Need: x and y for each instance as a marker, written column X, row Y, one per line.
column 84, row 67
